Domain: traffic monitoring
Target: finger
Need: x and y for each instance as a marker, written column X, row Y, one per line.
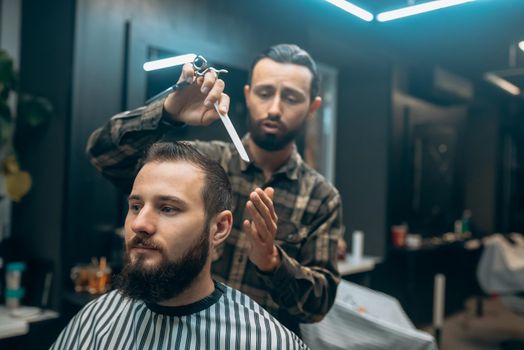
column 188, row 73
column 260, row 224
column 268, row 202
column 265, row 207
column 209, row 117
column 199, row 80
column 209, row 80
column 256, row 242
column 251, row 231
column 270, row 191
column 215, row 93
column 260, row 206
column 246, row 227
column 223, row 104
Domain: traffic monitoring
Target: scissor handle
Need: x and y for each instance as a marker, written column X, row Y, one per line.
column 200, row 64
column 201, row 67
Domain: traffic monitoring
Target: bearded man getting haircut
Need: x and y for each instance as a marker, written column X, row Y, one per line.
column 179, row 210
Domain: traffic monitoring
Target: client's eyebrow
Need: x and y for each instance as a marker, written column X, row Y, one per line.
column 174, row 199
column 161, row 198
column 134, row 197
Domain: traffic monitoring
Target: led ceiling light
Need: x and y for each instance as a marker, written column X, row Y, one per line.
column 420, row 8
column 169, row 62
column 521, row 45
column 353, row 9
column 502, row 83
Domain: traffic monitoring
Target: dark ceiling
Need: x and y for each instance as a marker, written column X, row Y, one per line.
column 468, row 39
column 471, row 38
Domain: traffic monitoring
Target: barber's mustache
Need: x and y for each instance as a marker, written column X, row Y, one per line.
column 273, row 119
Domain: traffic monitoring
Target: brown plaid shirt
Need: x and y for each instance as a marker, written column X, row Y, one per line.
column 308, row 207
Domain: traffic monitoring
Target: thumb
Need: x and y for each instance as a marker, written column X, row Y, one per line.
column 269, row 192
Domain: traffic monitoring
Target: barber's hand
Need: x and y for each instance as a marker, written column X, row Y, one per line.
column 261, row 230
column 194, row 104
column 342, row 248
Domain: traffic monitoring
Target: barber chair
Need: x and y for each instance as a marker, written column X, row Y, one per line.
column 501, row 271
column 365, row 319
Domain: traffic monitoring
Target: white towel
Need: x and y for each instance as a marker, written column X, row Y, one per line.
column 501, row 266
column 364, row 319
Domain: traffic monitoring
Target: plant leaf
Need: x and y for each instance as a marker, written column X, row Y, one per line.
column 5, row 112
column 6, row 128
column 34, row 111
column 17, row 185
column 7, row 75
column 10, row 165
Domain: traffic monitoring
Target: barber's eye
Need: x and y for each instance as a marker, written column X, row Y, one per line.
column 264, row 94
column 291, row 99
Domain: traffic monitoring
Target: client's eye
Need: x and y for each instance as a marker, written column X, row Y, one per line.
column 135, row 208
column 168, row 209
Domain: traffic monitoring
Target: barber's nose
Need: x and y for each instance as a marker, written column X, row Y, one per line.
column 275, row 107
column 144, row 222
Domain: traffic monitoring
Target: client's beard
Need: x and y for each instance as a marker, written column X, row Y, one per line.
column 166, row 280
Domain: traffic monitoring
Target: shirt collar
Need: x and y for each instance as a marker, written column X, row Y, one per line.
column 192, row 308
column 289, row 168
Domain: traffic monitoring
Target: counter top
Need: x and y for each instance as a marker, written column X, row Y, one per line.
column 13, row 326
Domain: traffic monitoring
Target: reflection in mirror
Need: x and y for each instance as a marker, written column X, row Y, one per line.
column 319, row 150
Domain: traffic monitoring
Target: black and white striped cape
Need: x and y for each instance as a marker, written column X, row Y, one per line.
column 227, row 319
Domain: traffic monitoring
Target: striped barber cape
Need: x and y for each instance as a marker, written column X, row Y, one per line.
column 227, row 319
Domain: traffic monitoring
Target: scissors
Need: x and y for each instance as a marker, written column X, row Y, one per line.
column 201, row 67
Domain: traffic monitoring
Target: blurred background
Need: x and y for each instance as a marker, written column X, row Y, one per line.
column 422, row 129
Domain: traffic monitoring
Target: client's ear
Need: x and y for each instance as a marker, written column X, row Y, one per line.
column 221, row 227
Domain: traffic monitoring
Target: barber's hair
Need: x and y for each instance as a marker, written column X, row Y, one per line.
column 290, row 53
column 216, row 193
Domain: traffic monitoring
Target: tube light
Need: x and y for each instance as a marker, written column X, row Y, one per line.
column 521, row 45
column 169, row 62
column 420, row 8
column 502, row 83
column 353, row 9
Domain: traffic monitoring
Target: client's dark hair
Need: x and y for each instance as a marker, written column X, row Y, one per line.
column 216, row 194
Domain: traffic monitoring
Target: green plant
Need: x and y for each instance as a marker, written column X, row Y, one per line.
column 31, row 113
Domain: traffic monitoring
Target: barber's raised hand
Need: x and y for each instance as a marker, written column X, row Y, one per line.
column 261, row 230
column 194, row 104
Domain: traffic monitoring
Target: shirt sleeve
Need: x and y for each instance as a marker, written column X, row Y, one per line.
column 116, row 148
column 305, row 287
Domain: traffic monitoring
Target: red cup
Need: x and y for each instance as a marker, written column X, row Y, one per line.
column 398, row 235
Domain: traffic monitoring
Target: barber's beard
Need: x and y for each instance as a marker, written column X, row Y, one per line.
column 168, row 278
column 273, row 142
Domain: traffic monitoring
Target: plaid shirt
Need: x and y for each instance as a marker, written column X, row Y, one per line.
column 303, row 287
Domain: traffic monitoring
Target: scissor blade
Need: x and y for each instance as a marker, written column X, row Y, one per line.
column 167, row 91
column 233, row 134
